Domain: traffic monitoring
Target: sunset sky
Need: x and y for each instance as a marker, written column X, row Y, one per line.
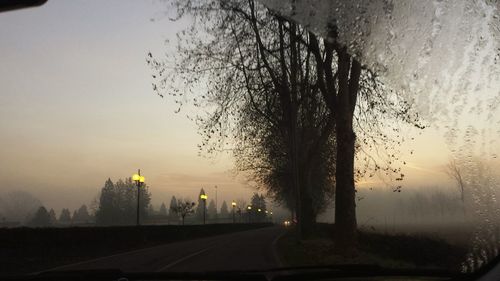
column 77, row 107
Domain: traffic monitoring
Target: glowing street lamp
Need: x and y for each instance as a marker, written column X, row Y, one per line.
column 139, row 181
column 204, row 197
column 234, row 206
column 249, row 209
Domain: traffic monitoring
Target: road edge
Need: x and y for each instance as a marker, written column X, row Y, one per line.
column 276, row 256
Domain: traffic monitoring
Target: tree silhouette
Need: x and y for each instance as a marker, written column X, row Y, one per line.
column 224, row 212
column 249, row 83
column 65, row 216
column 200, row 206
column 212, row 210
column 184, row 208
column 41, row 218
column 118, row 203
column 300, row 108
column 454, row 171
column 163, row 210
column 173, row 216
column 258, row 211
column 81, row 215
column 53, row 219
column 19, row 206
column 151, row 210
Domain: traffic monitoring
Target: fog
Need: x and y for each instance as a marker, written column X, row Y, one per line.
column 78, row 108
column 69, row 126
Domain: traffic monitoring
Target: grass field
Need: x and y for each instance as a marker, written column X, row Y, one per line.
column 387, row 250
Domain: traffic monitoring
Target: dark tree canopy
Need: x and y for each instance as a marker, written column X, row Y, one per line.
column 82, row 215
column 212, row 210
column 41, row 218
column 65, row 216
column 224, row 212
column 295, row 110
column 173, row 216
column 118, row 203
column 163, row 210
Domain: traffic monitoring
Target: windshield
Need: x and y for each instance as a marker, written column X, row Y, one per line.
column 243, row 135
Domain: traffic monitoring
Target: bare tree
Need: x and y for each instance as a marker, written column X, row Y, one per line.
column 453, row 170
column 184, row 207
column 285, row 97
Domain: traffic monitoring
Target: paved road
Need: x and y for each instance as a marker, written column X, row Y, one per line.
column 246, row 250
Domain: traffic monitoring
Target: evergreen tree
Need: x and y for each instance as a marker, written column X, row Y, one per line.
column 118, row 203
column 105, row 211
column 163, row 210
column 151, row 210
column 41, row 218
column 53, row 219
column 212, row 210
column 82, row 215
column 224, row 212
column 258, row 211
column 75, row 216
column 199, row 207
column 65, row 216
column 173, row 217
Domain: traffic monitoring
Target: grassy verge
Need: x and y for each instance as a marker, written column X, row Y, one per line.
column 24, row 250
column 392, row 251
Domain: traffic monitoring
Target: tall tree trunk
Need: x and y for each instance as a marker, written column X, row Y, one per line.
column 345, row 197
column 290, row 109
column 308, row 213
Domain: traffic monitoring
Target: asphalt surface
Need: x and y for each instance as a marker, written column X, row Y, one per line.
column 246, row 250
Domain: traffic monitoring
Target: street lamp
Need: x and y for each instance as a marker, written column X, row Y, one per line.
column 249, row 208
column 216, row 205
column 204, row 197
column 139, row 181
column 234, row 206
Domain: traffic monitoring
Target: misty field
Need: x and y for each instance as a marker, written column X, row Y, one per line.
column 393, row 250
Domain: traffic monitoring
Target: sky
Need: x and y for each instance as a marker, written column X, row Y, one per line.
column 77, row 107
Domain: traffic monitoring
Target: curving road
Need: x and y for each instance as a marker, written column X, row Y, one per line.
column 246, row 250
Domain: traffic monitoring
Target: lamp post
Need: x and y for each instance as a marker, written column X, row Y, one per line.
column 139, row 181
column 204, row 197
column 216, row 206
column 234, row 206
column 249, row 209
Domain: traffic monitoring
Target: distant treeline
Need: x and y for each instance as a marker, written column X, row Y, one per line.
column 116, row 205
column 21, row 208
